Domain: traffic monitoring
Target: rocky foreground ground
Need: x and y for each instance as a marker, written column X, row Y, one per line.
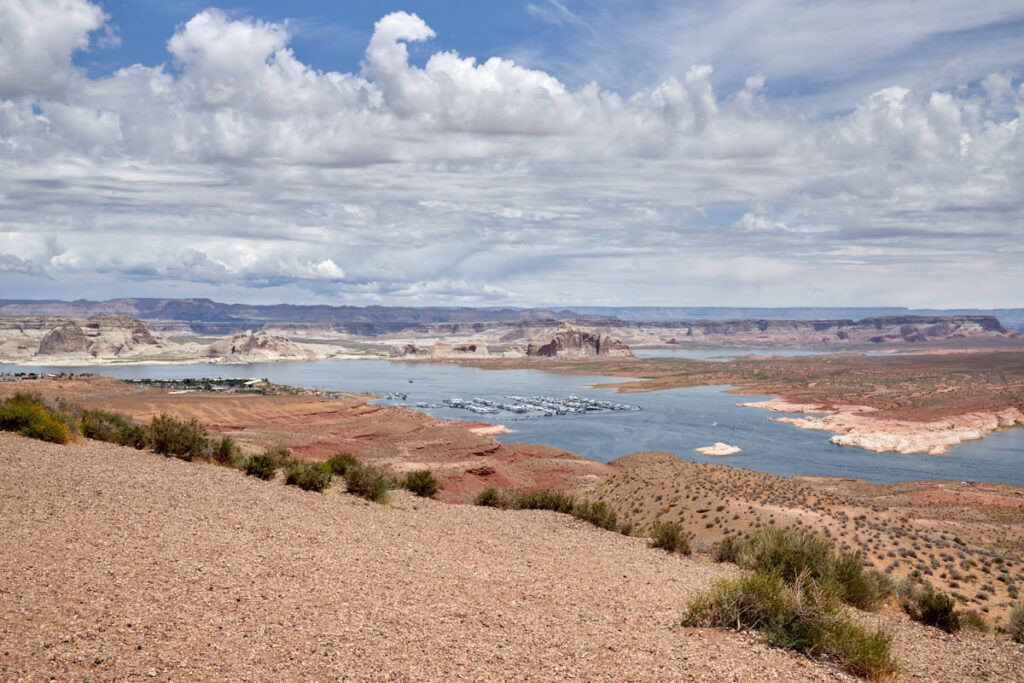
column 120, row 564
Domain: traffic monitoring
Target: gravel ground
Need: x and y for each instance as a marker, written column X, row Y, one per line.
column 118, row 564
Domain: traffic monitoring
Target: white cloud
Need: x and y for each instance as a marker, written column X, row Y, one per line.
column 37, row 39
column 247, row 168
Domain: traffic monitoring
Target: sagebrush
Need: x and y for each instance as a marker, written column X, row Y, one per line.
column 422, row 483
column 793, row 554
column 261, row 465
column 169, row 435
column 308, row 476
column 670, row 537
column 932, row 608
column 1015, row 627
column 31, row 416
column 370, row 482
column 800, row 615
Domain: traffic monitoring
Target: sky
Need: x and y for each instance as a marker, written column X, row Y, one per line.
column 516, row 153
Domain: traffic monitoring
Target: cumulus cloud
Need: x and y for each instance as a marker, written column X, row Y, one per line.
column 37, row 39
column 461, row 178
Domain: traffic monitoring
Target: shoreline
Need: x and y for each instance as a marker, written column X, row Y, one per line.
column 855, row 426
column 851, row 425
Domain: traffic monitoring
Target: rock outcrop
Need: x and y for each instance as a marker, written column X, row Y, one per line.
column 249, row 348
column 573, row 342
column 99, row 337
column 409, row 351
column 68, row 338
column 440, row 351
column 718, row 449
column 856, row 426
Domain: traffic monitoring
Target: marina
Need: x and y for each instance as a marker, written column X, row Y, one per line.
column 547, row 406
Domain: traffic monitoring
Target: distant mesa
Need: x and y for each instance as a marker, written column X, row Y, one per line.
column 573, row 342
column 907, row 329
column 719, row 448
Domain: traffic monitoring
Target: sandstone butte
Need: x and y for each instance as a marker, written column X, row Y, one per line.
column 856, row 426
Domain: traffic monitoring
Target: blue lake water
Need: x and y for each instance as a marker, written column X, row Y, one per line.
column 675, row 420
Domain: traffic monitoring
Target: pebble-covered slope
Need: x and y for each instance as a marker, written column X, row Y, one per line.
column 119, row 564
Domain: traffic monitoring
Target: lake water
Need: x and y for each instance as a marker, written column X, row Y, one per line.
column 675, row 420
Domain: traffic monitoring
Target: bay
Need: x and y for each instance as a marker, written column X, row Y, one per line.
column 674, row 420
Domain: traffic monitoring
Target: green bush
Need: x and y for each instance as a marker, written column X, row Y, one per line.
column 626, row 528
column 728, row 549
column 308, row 476
column 798, row 615
column 597, row 513
column 262, row 465
column 1015, row 627
column 112, row 427
column 370, row 482
column 795, row 554
column 544, row 499
column 422, row 483
column 226, row 451
column 281, row 455
column 339, row 462
column 932, row 608
column 492, row 498
column 671, row 537
column 30, row 416
column 863, row 589
column 973, row 620
column 183, row 439
column 789, row 553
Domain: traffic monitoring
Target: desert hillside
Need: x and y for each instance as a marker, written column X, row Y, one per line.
column 121, row 564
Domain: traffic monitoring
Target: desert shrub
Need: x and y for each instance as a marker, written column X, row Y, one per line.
column 492, row 498
column 671, row 537
column 281, row 455
column 797, row 615
column 544, row 499
column 112, row 427
column 422, row 483
column 226, row 451
column 857, row 586
column 728, row 549
column 789, row 553
column 626, row 528
column 30, row 416
column 184, row 439
column 862, row 652
column 971, row 619
column 596, row 512
column 794, row 553
column 261, row 465
column 1015, row 626
column 370, row 482
column 308, row 476
column 339, row 462
column 932, row 608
